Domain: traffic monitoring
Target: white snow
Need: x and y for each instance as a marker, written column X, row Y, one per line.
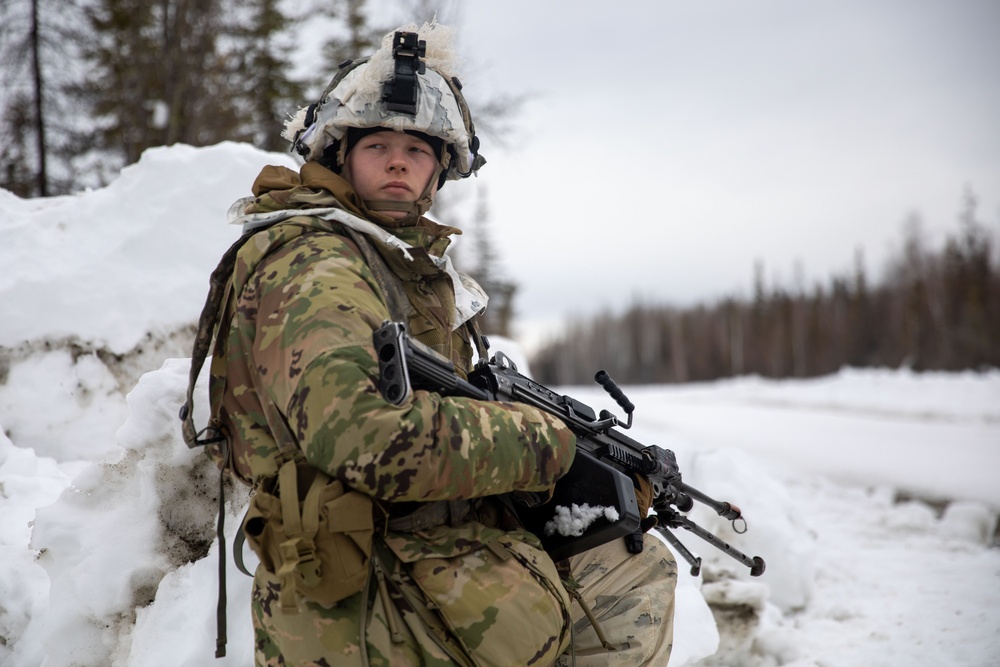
column 871, row 494
column 576, row 519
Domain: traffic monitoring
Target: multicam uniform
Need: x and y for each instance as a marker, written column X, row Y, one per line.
column 299, row 349
column 295, row 356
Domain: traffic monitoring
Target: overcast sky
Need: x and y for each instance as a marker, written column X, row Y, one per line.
column 669, row 145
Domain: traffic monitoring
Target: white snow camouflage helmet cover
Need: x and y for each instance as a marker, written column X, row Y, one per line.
column 355, row 99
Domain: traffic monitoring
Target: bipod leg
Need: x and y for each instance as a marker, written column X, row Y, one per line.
column 756, row 564
column 694, row 561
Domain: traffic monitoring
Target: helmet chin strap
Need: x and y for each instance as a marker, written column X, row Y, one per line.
column 413, row 209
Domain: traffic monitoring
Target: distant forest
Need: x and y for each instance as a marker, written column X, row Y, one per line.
column 934, row 309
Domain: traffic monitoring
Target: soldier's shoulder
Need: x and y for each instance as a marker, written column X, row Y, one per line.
column 283, row 250
column 302, row 242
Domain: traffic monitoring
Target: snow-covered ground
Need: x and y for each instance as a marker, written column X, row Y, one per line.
column 872, row 494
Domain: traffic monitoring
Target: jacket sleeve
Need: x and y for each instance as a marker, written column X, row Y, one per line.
column 315, row 306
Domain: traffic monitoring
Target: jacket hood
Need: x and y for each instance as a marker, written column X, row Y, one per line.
column 314, row 186
column 315, row 191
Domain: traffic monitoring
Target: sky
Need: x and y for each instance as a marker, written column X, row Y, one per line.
column 871, row 493
column 669, row 146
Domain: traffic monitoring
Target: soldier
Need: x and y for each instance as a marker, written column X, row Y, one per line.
column 383, row 531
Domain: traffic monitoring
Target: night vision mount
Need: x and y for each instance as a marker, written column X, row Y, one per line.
column 400, row 92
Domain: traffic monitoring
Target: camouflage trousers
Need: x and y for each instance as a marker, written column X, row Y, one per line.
column 631, row 596
column 329, row 637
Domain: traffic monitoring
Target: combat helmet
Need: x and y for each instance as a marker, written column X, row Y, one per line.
column 408, row 85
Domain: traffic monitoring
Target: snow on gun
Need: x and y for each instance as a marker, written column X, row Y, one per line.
column 600, row 476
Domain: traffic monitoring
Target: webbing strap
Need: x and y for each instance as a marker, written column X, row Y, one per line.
column 310, row 506
column 216, row 303
column 238, row 542
column 478, row 339
column 298, row 551
column 432, row 514
column 363, row 621
column 289, row 549
column 220, row 533
column 219, row 285
column 396, row 301
column 288, row 492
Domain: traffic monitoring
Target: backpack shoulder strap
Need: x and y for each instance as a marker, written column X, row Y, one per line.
column 220, row 290
column 220, row 285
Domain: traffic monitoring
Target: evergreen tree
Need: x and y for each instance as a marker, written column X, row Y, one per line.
column 500, row 314
column 970, row 293
column 36, row 53
column 262, row 85
column 18, row 126
column 156, row 75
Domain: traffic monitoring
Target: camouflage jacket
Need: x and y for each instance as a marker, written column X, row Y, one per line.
column 294, row 359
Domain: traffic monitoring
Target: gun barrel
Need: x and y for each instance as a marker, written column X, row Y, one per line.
column 722, row 508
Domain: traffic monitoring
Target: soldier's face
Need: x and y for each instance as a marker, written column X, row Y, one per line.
column 390, row 165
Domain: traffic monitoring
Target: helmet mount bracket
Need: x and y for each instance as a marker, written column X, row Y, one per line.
column 400, row 92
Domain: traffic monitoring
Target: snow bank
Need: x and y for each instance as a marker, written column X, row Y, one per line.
column 27, row 481
column 776, row 529
column 102, row 286
column 117, row 266
column 63, row 407
column 112, row 536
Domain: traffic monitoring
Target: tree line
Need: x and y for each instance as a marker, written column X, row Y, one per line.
column 934, row 309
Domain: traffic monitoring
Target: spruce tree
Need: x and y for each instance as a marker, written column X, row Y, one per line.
column 37, row 39
column 262, row 83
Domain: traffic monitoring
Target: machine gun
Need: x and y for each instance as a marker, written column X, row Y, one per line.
column 606, row 459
